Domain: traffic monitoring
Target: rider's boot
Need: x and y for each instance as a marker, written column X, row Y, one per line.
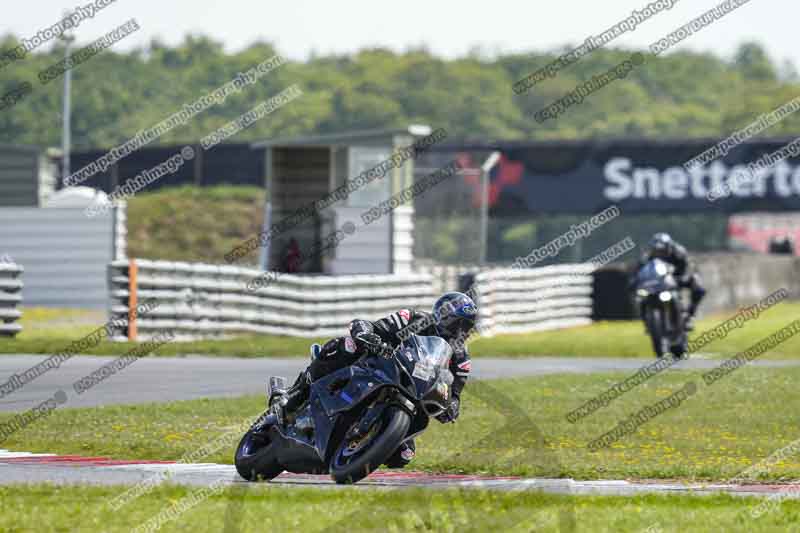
column 689, row 322
column 324, row 360
column 298, row 392
column 644, row 320
column 403, row 455
column 294, row 397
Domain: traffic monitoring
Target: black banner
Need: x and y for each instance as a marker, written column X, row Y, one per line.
column 639, row 177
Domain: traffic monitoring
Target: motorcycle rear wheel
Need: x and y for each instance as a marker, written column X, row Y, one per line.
column 394, row 425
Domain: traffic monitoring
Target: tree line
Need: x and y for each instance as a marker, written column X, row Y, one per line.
column 115, row 95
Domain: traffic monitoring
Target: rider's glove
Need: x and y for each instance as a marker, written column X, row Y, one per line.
column 369, row 342
column 451, row 413
column 385, row 351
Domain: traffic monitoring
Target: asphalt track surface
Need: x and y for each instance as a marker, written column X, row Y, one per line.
column 164, row 379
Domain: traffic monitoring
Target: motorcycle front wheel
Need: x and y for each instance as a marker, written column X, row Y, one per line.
column 356, row 458
column 255, row 456
column 656, row 327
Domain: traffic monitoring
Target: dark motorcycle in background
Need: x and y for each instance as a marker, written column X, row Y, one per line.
column 658, row 296
column 354, row 418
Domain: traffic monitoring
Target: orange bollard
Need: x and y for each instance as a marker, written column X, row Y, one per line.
column 133, row 297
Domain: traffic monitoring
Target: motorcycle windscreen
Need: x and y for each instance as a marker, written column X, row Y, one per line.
column 655, row 275
column 431, row 363
column 653, row 269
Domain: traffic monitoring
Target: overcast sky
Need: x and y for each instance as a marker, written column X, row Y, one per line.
column 447, row 27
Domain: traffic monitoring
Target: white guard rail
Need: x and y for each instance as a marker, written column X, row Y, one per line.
column 200, row 301
column 534, row 299
column 10, row 298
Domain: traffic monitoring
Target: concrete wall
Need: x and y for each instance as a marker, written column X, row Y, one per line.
column 736, row 280
column 65, row 254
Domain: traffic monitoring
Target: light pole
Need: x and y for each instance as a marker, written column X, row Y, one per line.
column 486, row 168
column 66, row 136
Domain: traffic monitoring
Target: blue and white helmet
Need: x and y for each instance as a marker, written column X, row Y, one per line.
column 455, row 314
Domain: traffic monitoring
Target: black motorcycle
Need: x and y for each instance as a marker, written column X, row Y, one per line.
column 354, row 418
column 659, row 297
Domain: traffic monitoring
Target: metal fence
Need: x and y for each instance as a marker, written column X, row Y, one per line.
column 197, row 301
column 534, row 299
column 446, row 278
column 520, row 300
column 65, row 253
column 10, row 298
column 211, row 301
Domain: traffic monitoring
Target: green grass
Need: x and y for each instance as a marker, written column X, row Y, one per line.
column 46, row 332
column 45, row 325
column 714, row 435
column 49, row 331
column 246, row 346
column 46, row 508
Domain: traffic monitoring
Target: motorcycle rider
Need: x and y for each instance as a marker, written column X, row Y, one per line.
column 452, row 318
column 663, row 247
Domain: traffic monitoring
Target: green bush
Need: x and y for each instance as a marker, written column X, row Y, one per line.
column 190, row 223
